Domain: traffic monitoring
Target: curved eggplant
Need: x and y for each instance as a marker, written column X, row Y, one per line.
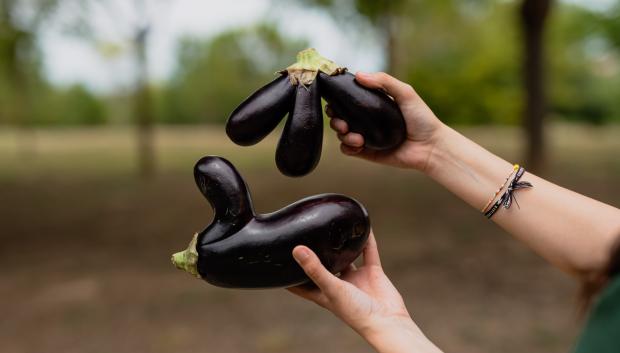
column 299, row 149
column 369, row 112
column 241, row 249
column 260, row 113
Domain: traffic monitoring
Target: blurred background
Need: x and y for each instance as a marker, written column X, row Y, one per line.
column 106, row 105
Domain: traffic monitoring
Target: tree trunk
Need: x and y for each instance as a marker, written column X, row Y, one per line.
column 19, row 109
column 143, row 109
column 389, row 26
column 534, row 14
column 23, row 115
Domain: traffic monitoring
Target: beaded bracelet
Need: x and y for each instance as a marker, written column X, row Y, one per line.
column 514, row 169
column 508, row 196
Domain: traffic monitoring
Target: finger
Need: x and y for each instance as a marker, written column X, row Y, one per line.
column 312, row 266
column 371, row 252
column 353, row 139
column 339, row 125
column 350, row 151
column 399, row 90
column 311, row 294
column 329, row 112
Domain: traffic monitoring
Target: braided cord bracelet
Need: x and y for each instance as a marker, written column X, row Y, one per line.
column 514, row 169
column 508, row 196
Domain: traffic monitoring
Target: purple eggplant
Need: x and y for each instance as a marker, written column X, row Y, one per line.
column 260, row 113
column 299, row 149
column 242, row 249
column 369, row 112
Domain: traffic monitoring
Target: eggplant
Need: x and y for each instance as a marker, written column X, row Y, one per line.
column 260, row 113
column 299, row 149
column 242, row 249
column 369, row 112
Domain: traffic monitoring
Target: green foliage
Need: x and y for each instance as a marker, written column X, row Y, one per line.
column 464, row 63
column 609, row 22
column 582, row 83
column 464, row 57
column 214, row 76
column 71, row 106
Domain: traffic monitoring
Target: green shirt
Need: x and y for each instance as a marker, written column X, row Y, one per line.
column 602, row 331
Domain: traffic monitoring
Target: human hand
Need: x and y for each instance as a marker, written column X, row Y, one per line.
column 365, row 299
column 423, row 126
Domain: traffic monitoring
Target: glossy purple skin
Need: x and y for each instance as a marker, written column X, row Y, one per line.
column 241, row 249
column 260, row 113
column 299, row 149
column 369, row 112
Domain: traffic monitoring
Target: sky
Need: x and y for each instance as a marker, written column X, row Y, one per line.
column 68, row 59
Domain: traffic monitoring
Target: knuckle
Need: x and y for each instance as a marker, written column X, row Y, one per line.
column 383, row 76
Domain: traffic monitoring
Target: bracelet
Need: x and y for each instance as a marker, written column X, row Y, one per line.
column 508, row 196
column 514, row 169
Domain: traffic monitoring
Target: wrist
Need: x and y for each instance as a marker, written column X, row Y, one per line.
column 398, row 335
column 431, row 149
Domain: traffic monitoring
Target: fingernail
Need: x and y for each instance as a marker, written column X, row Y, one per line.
column 362, row 74
column 301, row 254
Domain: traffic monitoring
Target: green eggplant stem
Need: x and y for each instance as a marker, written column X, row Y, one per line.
column 309, row 64
column 186, row 260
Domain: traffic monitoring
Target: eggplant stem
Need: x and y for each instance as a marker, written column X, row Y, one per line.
column 186, row 260
column 309, row 64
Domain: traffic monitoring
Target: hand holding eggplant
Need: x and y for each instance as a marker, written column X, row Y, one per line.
column 423, row 127
column 370, row 112
column 365, row 299
column 242, row 249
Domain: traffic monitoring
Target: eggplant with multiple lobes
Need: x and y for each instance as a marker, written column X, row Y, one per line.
column 242, row 249
column 297, row 91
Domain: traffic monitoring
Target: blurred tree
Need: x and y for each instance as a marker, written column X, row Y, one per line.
column 384, row 15
column 19, row 25
column 74, row 106
column 610, row 22
column 463, row 59
column 213, row 76
column 534, row 15
column 468, row 64
column 583, row 84
column 133, row 21
column 611, row 29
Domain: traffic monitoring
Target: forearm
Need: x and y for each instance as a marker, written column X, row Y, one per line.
column 572, row 231
column 399, row 337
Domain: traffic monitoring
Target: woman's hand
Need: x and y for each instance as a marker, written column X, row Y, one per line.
column 365, row 299
column 423, row 127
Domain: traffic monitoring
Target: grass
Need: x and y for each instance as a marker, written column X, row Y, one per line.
column 86, row 245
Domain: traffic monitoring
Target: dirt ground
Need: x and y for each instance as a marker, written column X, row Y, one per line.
column 85, row 249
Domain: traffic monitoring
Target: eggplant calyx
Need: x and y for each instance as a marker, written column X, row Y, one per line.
column 309, row 63
column 186, row 260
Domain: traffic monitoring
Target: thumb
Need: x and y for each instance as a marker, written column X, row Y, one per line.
column 399, row 90
column 315, row 270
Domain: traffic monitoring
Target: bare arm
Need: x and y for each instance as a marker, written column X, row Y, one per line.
column 571, row 231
